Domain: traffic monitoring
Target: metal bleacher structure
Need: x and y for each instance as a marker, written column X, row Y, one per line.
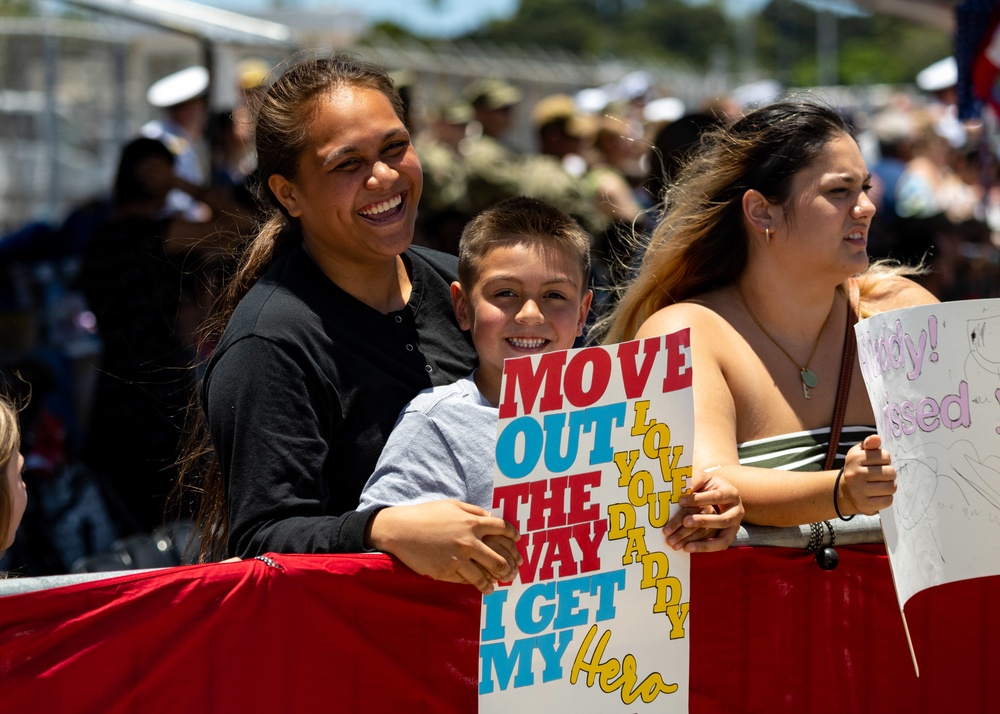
column 72, row 90
column 72, row 86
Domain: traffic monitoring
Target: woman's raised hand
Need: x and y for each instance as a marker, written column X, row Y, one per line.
column 868, row 481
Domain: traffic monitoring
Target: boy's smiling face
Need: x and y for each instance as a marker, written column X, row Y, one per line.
column 526, row 299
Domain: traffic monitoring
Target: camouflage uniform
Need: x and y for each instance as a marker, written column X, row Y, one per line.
column 444, row 176
column 444, row 203
column 544, row 177
column 493, row 172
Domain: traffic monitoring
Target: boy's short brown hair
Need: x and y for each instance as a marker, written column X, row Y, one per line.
column 516, row 221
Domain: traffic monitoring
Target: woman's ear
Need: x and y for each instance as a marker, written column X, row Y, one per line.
column 460, row 302
column 286, row 193
column 759, row 212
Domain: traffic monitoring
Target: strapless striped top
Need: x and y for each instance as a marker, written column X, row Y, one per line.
column 800, row 451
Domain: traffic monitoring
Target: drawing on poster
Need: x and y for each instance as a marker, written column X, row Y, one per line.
column 933, row 377
column 968, row 479
column 984, row 355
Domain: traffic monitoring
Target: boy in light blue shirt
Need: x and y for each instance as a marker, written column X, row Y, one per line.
column 522, row 289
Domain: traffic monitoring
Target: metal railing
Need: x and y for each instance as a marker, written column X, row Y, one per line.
column 859, row 530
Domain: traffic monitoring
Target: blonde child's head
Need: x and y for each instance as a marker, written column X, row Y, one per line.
column 13, row 496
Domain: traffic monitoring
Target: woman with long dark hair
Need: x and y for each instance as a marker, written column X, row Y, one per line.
column 763, row 234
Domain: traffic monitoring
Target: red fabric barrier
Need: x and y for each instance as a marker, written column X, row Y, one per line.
column 770, row 632
column 318, row 633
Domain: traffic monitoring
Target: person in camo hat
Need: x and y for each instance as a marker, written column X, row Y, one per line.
column 494, row 169
column 444, row 203
column 557, row 173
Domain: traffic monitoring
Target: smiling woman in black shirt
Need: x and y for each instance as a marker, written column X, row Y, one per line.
column 330, row 326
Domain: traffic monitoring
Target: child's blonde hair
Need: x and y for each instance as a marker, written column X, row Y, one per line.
column 10, row 444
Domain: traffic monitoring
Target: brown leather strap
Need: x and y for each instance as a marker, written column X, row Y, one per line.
column 846, row 370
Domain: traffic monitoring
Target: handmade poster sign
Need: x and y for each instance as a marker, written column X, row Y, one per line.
column 933, row 377
column 593, row 452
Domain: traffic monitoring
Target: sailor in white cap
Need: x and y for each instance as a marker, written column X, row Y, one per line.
column 183, row 98
column 940, row 76
column 941, row 81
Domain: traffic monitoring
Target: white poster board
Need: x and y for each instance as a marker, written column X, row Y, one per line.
column 593, row 451
column 933, row 377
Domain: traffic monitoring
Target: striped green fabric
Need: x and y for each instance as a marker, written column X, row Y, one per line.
column 800, row 451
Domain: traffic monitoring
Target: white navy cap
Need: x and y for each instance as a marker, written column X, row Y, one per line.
column 664, row 109
column 179, row 87
column 938, row 76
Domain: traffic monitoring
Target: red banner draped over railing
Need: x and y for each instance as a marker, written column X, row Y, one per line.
column 769, row 632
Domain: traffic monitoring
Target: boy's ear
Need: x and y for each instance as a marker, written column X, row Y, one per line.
column 284, row 191
column 584, row 311
column 461, row 304
column 759, row 212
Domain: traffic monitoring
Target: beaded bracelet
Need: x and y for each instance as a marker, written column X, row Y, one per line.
column 816, row 536
column 815, row 529
column 836, row 506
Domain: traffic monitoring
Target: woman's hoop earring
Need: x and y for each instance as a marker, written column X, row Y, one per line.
column 767, row 235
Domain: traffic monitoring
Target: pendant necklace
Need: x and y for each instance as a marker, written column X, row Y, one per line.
column 809, row 378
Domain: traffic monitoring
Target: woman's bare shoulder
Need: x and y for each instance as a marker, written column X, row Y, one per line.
column 889, row 292
column 698, row 313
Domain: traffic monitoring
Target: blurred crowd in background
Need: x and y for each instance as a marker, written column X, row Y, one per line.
column 100, row 326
